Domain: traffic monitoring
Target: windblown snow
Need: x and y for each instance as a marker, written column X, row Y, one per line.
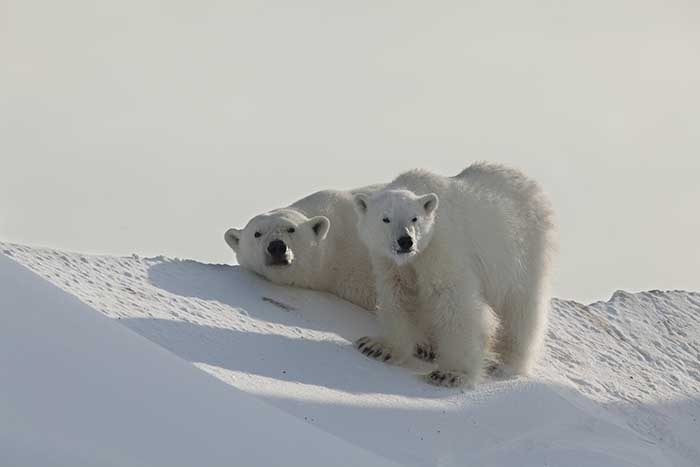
column 619, row 384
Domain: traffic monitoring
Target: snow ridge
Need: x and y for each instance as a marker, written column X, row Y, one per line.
column 619, row 383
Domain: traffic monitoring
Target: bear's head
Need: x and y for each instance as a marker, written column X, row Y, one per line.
column 396, row 224
column 283, row 245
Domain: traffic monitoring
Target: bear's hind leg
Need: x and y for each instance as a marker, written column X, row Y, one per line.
column 522, row 332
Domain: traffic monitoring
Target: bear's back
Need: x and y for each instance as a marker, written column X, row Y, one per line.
column 502, row 187
column 337, row 205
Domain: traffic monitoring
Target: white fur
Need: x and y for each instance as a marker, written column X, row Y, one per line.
column 477, row 279
column 330, row 259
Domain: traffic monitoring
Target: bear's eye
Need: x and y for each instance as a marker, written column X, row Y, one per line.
column 257, row 235
column 386, row 220
column 290, row 230
column 415, row 219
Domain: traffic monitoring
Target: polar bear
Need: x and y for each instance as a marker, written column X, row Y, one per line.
column 462, row 270
column 312, row 243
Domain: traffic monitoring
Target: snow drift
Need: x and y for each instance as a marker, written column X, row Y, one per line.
column 619, row 384
column 78, row 390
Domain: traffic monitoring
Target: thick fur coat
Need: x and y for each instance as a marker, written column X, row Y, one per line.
column 462, row 270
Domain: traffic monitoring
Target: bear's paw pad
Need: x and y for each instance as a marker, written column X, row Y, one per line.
column 374, row 348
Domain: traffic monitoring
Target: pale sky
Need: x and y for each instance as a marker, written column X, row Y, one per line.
column 151, row 127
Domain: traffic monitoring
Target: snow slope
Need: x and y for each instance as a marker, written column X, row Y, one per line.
column 619, row 384
column 78, row 389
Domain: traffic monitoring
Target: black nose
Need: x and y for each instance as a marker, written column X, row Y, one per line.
column 277, row 248
column 405, row 242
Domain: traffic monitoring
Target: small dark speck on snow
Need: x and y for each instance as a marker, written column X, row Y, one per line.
column 278, row 304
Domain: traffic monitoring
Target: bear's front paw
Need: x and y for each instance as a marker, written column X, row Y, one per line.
column 374, row 348
column 448, row 379
column 425, row 352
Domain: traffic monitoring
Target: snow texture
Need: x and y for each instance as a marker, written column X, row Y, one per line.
column 619, row 384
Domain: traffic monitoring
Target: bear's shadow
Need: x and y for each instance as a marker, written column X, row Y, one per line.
column 310, row 360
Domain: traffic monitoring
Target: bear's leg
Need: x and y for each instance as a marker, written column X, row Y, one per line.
column 462, row 328
column 395, row 297
column 397, row 342
column 523, row 327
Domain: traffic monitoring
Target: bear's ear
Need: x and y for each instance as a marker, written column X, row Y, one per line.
column 360, row 202
column 319, row 226
column 429, row 202
column 233, row 238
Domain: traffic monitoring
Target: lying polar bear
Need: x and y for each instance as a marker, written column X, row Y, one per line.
column 460, row 263
column 312, row 243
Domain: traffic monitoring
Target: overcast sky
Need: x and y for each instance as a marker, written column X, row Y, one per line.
column 150, row 127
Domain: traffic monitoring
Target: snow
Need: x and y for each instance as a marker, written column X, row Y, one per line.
column 619, row 384
column 79, row 390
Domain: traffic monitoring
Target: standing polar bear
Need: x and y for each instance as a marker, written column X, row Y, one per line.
column 312, row 243
column 461, row 267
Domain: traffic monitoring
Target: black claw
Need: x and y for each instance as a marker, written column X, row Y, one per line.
column 387, row 357
column 453, row 379
column 425, row 353
column 362, row 344
column 377, row 353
